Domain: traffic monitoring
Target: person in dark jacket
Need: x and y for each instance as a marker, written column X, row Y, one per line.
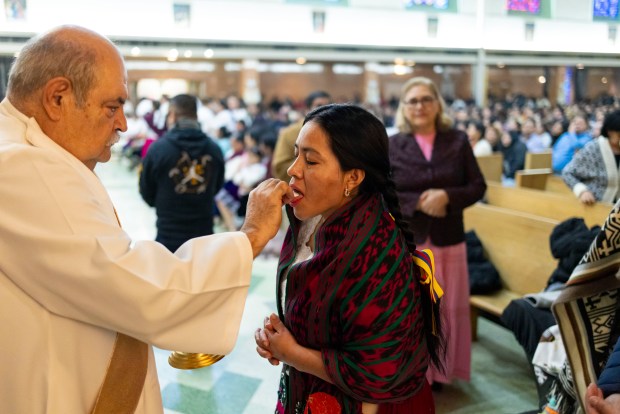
column 514, row 151
column 181, row 173
column 604, row 398
column 437, row 177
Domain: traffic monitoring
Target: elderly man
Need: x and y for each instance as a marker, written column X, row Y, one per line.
column 79, row 302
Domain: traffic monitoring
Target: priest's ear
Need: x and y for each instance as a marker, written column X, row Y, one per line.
column 57, row 94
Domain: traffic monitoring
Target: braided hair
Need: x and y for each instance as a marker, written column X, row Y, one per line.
column 359, row 141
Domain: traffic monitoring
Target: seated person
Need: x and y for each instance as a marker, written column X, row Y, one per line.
column 592, row 174
column 569, row 143
column 514, row 151
column 475, row 134
column 604, row 398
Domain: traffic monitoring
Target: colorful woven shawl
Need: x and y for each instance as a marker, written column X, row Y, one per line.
column 587, row 311
column 358, row 301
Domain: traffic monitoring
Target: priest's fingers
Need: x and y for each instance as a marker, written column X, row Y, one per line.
column 264, row 212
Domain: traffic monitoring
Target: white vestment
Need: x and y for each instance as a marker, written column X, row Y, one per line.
column 70, row 279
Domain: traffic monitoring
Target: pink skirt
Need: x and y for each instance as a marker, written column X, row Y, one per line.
column 453, row 277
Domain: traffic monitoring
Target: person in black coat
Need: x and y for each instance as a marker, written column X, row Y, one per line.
column 604, row 398
column 514, row 151
column 182, row 171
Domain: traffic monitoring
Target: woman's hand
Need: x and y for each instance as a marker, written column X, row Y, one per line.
column 434, row 202
column 262, row 342
column 282, row 345
column 587, row 197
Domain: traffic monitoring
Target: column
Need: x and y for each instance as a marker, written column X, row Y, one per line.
column 479, row 78
column 372, row 89
column 250, row 82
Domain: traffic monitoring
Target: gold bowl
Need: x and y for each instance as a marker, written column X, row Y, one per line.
column 191, row 360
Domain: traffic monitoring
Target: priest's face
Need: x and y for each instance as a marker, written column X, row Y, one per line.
column 91, row 128
column 316, row 177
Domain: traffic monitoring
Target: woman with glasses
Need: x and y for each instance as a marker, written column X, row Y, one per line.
column 436, row 177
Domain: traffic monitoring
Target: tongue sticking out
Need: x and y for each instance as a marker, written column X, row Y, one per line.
column 297, row 196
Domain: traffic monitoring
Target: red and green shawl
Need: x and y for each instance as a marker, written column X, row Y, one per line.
column 357, row 300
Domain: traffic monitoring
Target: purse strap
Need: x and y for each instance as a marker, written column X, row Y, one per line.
column 124, row 380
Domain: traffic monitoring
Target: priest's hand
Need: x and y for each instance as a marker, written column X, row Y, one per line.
column 264, row 212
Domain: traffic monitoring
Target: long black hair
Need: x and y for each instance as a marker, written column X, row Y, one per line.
column 359, row 140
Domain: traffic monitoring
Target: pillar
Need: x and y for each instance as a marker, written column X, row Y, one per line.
column 372, row 89
column 250, row 82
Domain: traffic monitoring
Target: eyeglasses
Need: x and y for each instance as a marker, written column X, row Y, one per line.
column 426, row 101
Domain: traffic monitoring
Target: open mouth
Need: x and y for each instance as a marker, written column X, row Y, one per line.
column 297, row 196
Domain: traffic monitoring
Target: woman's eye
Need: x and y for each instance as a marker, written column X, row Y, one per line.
column 311, row 162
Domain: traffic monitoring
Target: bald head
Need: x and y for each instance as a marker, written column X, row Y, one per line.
column 71, row 52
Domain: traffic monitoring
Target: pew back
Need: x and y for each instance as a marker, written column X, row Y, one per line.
column 547, row 204
column 516, row 243
column 536, row 178
column 535, row 160
column 491, row 166
column 555, row 184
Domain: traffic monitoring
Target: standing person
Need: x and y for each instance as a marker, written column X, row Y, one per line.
column 436, row 178
column 356, row 325
column 180, row 176
column 594, row 173
column 284, row 152
column 80, row 304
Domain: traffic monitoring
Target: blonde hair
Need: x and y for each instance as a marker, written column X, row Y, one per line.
column 442, row 122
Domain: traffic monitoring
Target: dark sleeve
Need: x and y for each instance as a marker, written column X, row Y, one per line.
column 474, row 186
column 609, row 380
column 219, row 182
column 408, row 192
column 516, row 160
column 147, row 183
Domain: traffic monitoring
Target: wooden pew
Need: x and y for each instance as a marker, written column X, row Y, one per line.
column 555, row 184
column 547, row 204
column 517, row 244
column 491, row 166
column 536, row 178
column 536, row 160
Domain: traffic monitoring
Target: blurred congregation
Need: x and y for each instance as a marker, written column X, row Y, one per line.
column 523, row 216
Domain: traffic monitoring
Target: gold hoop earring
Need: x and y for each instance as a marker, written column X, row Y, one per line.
column 347, row 193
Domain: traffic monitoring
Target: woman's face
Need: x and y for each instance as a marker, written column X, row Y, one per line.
column 316, row 177
column 490, row 134
column 421, row 108
column 473, row 134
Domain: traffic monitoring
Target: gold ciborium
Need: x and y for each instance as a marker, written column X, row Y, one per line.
column 191, row 360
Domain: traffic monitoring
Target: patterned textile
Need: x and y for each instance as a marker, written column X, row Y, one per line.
column 358, row 301
column 587, row 309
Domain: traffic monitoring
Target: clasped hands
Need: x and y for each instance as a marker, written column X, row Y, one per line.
column 274, row 341
column 434, row 202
